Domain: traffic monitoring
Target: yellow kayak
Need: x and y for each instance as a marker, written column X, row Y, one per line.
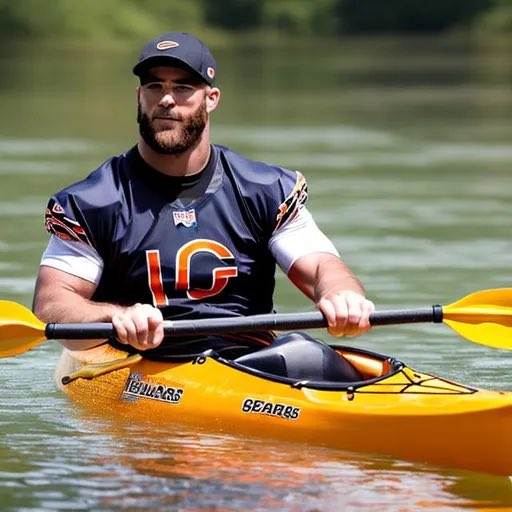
column 382, row 406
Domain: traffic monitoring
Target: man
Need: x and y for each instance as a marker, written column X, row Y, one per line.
column 180, row 228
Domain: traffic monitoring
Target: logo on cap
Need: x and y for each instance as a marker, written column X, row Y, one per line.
column 165, row 45
column 210, row 72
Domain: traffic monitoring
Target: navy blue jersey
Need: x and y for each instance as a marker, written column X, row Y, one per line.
column 206, row 258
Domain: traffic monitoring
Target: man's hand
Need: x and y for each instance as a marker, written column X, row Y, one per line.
column 347, row 312
column 140, row 326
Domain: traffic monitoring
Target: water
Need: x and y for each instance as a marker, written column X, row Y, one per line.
column 406, row 146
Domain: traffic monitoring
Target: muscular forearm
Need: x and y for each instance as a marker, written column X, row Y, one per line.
column 327, row 281
column 63, row 298
column 318, row 275
column 333, row 275
column 60, row 297
column 69, row 307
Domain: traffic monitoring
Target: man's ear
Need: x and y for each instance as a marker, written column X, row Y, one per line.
column 212, row 99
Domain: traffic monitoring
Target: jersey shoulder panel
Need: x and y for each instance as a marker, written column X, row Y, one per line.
column 273, row 194
column 86, row 211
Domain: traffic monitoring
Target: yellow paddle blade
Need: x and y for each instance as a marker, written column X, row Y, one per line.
column 497, row 297
column 483, row 317
column 492, row 335
column 20, row 328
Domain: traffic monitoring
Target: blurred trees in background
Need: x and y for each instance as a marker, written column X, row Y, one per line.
column 409, row 15
column 117, row 19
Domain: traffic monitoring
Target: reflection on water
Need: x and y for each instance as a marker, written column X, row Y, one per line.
column 407, row 148
column 98, row 464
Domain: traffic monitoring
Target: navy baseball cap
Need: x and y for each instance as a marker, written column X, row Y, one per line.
column 179, row 47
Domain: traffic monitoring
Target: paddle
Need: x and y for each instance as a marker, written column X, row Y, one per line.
column 483, row 317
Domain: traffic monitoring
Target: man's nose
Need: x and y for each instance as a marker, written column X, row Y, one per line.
column 167, row 100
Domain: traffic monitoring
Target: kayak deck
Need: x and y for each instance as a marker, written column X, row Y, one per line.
column 393, row 410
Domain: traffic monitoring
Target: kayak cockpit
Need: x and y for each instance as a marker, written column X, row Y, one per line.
column 306, row 362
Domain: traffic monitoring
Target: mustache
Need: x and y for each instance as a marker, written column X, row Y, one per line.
column 167, row 115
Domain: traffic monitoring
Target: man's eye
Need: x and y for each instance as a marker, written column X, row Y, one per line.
column 154, row 85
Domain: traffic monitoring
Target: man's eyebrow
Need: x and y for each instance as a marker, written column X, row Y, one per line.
column 182, row 81
column 188, row 80
column 149, row 77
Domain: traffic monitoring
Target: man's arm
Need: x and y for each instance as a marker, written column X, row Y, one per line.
column 337, row 293
column 63, row 297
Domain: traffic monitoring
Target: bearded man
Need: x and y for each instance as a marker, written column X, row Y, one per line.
column 178, row 227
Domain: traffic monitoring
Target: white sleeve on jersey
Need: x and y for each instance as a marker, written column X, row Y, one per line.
column 298, row 237
column 75, row 258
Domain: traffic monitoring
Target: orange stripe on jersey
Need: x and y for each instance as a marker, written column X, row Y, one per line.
column 293, row 203
column 156, row 284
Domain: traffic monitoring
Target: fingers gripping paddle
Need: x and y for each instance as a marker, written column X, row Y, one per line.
column 483, row 317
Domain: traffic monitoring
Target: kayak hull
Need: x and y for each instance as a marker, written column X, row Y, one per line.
column 395, row 410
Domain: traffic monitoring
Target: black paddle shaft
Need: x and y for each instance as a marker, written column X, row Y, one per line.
column 277, row 322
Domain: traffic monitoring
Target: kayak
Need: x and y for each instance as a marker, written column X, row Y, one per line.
column 297, row 389
column 338, row 397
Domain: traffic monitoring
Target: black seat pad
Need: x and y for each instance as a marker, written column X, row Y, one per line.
column 299, row 356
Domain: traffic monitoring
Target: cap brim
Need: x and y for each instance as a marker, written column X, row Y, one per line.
column 164, row 60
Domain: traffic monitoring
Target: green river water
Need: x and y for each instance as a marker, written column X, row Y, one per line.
column 407, row 147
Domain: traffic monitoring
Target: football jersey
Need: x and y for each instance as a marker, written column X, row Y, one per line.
column 204, row 257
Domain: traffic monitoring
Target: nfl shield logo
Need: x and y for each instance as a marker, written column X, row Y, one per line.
column 185, row 217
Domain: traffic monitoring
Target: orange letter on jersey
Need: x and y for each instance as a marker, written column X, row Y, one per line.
column 220, row 276
column 155, row 278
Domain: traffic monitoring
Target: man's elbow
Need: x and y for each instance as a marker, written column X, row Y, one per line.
column 40, row 308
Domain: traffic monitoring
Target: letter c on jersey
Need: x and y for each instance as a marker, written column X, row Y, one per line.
column 220, row 275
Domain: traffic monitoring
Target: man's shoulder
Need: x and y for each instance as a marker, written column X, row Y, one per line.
column 103, row 182
column 269, row 191
column 250, row 170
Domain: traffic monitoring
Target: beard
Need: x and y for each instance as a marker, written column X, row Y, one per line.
column 177, row 140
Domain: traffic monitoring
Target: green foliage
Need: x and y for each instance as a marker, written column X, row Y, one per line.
column 62, row 17
column 233, row 14
column 300, row 16
column 407, row 15
column 172, row 15
column 498, row 18
column 92, row 20
column 95, row 19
